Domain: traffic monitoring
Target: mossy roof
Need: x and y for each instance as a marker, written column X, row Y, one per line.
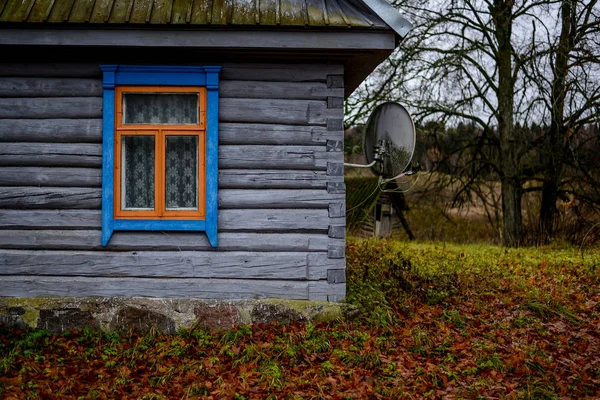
column 196, row 13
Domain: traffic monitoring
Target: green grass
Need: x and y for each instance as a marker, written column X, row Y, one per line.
column 434, row 272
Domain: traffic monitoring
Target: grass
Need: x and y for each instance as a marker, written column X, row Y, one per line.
column 434, row 321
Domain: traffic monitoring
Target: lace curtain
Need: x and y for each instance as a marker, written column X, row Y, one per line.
column 182, row 172
column 138, row 174
column 160, row 108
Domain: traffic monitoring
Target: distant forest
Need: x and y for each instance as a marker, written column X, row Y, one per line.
column 463, row 162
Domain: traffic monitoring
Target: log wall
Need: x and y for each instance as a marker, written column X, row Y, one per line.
column 281, row 191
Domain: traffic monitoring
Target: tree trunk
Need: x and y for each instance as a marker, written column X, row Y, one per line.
column 556, row 134
column 511, row 209
column 509, row 161
column 548, row 209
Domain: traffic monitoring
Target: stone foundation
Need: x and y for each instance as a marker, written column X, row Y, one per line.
column 165, row 315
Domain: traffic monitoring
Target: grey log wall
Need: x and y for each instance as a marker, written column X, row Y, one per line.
column 281, row 191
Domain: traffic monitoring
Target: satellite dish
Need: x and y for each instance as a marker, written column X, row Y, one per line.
column 389, row 141
column 389, row 137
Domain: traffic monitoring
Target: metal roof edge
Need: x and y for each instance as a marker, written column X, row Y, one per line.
column 390, row 16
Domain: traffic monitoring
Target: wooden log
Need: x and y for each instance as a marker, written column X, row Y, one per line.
column 162, row 241
column 280, row 72
column 276, row 198
column 336, row 276
column 51, row 130
column 86, row 130
column 228, row 178
column 336, row 251
column 34, row 197
column 337, row 209
column 259, row 220
column 276, row 157
column 273, row 220
column 51, row 154
column 50, row 87
column 51, row 107
column 270, row 179
column 320, row 263
column 337, row 231
column 276, row 90
column 90, row 131
column 78, row 87
column 230, row 156
column 323, row 291
column 179, row 264
column 242, row 133
column 191, row 288
column 67, row 70
column 50, row 219
column 275, row 111
column 50, row 176
column 90, row 198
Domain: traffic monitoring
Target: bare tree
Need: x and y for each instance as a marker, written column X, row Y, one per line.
column 571, row 94
column 493, row 63
column 465, row 61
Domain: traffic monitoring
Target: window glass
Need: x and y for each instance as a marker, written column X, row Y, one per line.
column 160, row 108
column 181, row 172
column 137, row 172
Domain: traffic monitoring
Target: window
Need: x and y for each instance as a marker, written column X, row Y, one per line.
column 159, row 151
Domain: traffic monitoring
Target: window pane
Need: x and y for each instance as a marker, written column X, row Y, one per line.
column 182, row 172
column 137, row 172
column 160, row 108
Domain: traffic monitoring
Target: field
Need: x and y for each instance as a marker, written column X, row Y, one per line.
column 435, row 214
column 429, row 320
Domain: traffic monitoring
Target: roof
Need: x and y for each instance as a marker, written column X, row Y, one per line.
column 196, row 13
column 252, row 30
column 390, row 16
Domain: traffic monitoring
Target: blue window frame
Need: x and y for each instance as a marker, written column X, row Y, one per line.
column 205, row 76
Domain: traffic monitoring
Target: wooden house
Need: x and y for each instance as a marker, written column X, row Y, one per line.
column 179, row 148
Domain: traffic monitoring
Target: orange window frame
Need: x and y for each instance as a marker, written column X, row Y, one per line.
column 160, row 133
